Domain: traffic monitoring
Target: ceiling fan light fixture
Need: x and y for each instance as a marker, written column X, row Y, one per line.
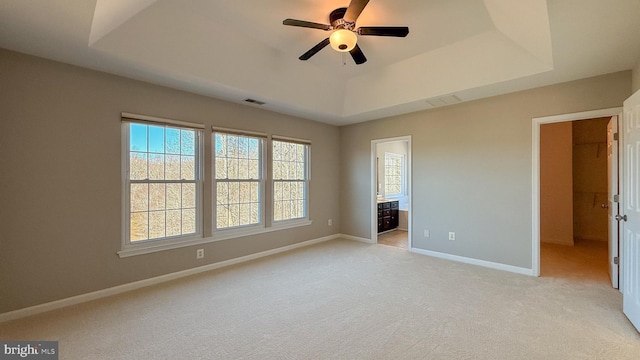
column 343, row 40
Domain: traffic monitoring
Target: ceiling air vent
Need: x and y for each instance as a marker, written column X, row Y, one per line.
column 254, row 101
column 443, row 101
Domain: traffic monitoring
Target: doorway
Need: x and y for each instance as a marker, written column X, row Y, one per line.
column 572, row 245
column 391, row 192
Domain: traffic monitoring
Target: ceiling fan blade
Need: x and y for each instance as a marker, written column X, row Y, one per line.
column 397, row 31
column 358, row 55
column 354, row 10
column 314, row 49
column 306, row 24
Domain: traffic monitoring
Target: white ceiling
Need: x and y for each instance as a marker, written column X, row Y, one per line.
column 239, row 49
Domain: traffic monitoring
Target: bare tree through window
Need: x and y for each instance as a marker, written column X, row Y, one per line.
column 238, row 180
column 290, row 175
column 162, row 177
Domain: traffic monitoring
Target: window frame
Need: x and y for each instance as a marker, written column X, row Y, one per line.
column 306, row 181
column 203, row 167
column 242, row 230
column 128, row 247
column 403, row 175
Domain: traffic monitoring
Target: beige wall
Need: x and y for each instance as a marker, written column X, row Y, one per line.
column 60, row 183
column 471, row 167
column 556, row 183
column 590, row 183
column 635, row 85
column 60, row 187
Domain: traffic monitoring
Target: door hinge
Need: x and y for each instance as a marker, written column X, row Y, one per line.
column 616, row 198
column 616, row 260
column 616, row 136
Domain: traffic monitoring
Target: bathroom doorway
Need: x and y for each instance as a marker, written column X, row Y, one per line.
column 391, row 192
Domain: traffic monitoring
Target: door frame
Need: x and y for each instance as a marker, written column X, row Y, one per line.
column 535, row 171
column 613, row 190
column 374, row 186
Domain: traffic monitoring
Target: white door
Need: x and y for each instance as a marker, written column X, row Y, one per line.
column 612, row 209
column 630, row 226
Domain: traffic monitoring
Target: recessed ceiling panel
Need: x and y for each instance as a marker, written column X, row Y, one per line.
column 175, row 39
column 109, row 14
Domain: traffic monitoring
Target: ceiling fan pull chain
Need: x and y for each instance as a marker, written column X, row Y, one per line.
column 344, row 59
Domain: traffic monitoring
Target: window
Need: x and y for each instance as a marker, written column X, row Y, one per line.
column 240, row 173
column 290, row 180
column 162, row 183
column 163, row 179
column 393, row 174
column 238, row 169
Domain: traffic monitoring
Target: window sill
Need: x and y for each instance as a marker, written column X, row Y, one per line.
column 395, row 196
column 288, row 224
column 236, row 233
column 159, row 245
column 162, row 245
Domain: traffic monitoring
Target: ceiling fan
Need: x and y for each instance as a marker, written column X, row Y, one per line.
column 344, row 33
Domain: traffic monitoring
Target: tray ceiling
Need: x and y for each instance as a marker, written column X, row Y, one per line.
column 462, row 49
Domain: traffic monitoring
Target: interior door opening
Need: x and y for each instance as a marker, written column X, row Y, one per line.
column 574, row 234
column 391, row 192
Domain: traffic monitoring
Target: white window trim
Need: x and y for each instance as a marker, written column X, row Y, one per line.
column 156, row 245
column 403, row 177
column 243, row 230
column 283, row 224
column 263, row 226
column 152, row 245
column 291, row 223
column 248, row 231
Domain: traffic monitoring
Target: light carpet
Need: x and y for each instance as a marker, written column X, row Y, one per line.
column 345, row 300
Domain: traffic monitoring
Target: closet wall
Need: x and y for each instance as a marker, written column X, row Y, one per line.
column 556, row 183
column 590, row 179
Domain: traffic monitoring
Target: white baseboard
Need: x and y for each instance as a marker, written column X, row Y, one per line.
column 355, row 238
column 74, row 300
column 483, row 263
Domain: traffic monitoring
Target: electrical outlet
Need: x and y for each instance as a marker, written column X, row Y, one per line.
column 426, row 233
column 330, row 222
column 200, row 254
column 452, row 235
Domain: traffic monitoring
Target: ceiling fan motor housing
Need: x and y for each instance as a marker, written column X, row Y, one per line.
column 336, row 19
column 343, row 38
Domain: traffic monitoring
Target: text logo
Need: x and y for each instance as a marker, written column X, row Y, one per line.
column 40, row 350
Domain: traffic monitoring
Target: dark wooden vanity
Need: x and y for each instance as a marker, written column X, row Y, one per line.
column 387, row 215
